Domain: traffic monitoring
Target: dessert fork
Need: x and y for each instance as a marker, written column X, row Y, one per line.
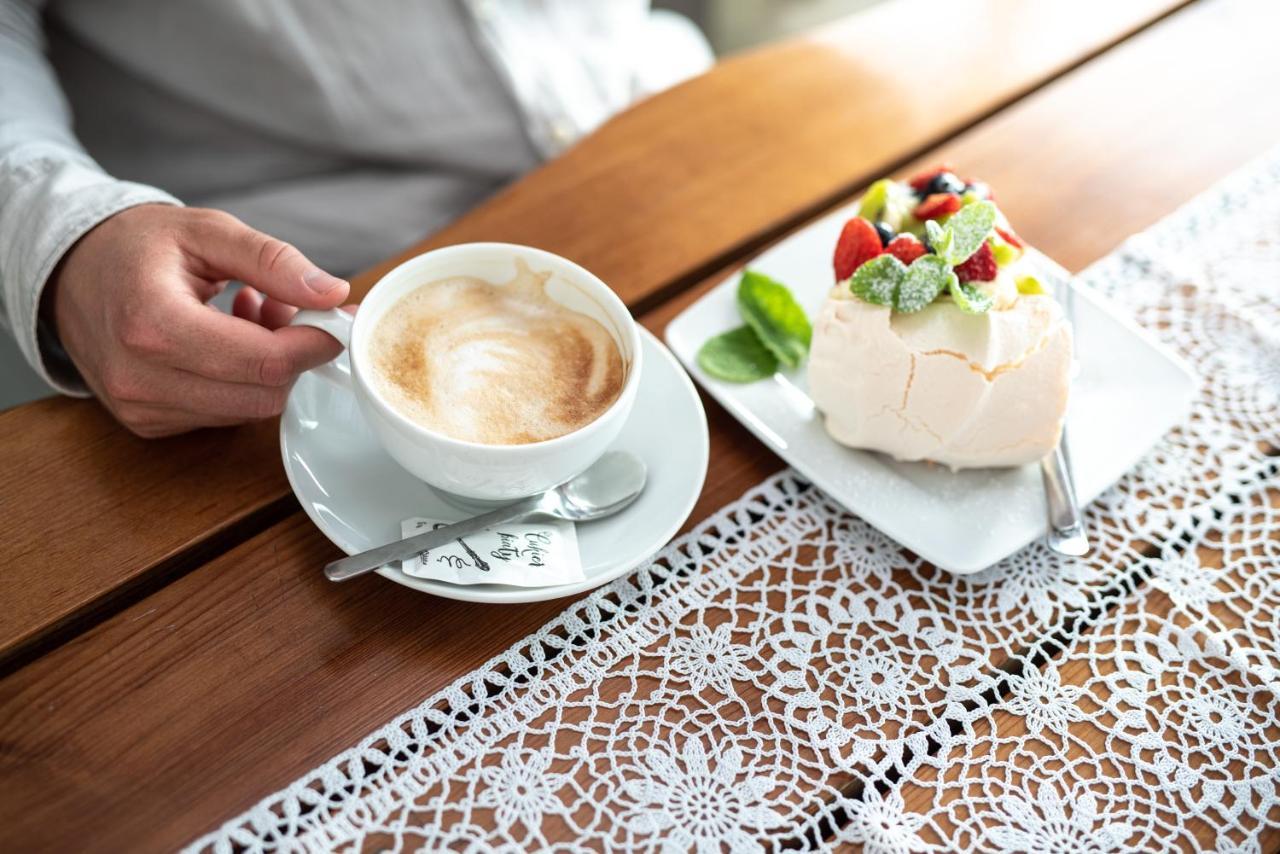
column 1066, row 534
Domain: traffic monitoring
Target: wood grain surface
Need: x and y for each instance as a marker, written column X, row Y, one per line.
column 231, row 681
column 659, row 197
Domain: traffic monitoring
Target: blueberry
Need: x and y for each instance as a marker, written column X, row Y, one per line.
column 945, row 182
column 885, row 232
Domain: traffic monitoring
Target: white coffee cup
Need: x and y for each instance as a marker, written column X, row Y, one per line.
column 473, row 470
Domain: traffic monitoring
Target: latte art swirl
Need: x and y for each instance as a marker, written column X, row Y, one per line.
column 495, row 364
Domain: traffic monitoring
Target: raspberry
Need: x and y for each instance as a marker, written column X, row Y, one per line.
column 981, row 266
column 859, row 242
column 921, row 179
column 1009, row 237
column 939, row 204
column 906, row 248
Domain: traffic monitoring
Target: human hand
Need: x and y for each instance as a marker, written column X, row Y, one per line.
column 129, row 300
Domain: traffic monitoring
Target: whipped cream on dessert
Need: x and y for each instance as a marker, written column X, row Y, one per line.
column 982, row 385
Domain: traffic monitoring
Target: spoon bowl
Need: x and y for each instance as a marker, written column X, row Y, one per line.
column 606, row 487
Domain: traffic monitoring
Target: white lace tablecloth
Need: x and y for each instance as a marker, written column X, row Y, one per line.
column 786, row 675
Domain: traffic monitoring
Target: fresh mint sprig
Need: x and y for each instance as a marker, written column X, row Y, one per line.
column 737, row 356
column 877, row 280
column 884, row 280
column 969, row 299
column 777, row 334
column 964, row 232
column 927, row 277
column 775, row 316
column 939, row 238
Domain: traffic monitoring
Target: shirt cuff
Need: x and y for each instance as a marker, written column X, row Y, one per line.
column 52, row 203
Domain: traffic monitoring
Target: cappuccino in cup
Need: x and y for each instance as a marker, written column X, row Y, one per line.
column 494, row 364
column 490, row 371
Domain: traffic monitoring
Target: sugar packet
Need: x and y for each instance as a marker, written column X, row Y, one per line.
column 521, row 554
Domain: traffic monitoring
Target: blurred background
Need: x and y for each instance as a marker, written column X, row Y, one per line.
column 730, row 25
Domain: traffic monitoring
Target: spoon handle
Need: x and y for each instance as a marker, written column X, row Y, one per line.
column 359, row 564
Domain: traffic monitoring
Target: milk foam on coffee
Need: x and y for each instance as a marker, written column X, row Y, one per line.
column 496, row 364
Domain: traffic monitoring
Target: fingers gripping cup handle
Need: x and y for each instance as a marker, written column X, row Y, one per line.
column 337, row 323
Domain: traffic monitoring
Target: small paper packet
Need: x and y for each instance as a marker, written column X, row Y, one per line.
column 522, row 554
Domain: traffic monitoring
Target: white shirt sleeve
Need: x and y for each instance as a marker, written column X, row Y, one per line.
column 51, row 191
column 572, row 64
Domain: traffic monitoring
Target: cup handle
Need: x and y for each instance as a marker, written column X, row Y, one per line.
column 337, row 323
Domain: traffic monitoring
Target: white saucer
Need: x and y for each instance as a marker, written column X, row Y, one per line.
column 357, row 495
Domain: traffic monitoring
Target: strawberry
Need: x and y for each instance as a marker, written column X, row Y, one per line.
column 981, row 266
column 859, row 242
column 921, row 179
column 939, row 204
column 906, row 248
column 1009, row 237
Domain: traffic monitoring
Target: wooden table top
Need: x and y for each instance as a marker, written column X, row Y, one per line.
column 170, row 652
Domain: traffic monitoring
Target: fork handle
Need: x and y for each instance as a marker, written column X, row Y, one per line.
column 1066, row 529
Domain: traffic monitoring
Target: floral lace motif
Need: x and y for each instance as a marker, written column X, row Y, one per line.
column 784, row 673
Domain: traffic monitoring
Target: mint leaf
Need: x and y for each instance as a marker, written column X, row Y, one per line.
column 737, row 356
column 927, row 277
column 884, row 280
column 939, row 238
column 777, row 332
column 877, row 281
column 967, row 229
column 775, row 316
column 969, row 299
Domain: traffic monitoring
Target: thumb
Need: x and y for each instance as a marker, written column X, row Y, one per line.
column 232, row 249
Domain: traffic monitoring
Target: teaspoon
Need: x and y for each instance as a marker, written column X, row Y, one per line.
column 608, row 486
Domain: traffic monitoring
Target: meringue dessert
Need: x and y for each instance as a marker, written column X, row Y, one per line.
column 936, row 342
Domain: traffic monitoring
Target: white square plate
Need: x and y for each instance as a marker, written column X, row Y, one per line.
column 1129, row 391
